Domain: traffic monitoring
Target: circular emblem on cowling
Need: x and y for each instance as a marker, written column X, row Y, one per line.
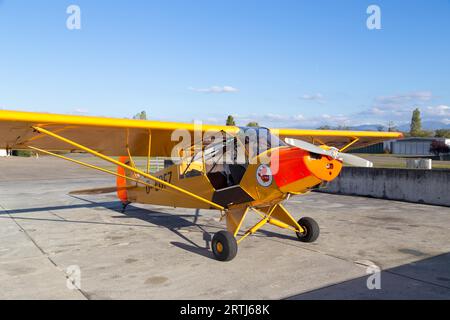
column 264, row 175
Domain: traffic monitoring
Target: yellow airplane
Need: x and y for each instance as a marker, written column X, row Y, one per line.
column 230, row 169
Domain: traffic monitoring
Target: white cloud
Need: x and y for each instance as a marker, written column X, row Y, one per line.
column 317, row 97
column 282, row 117
column 373, row 112
column 216, row 89
column 396, row 108
column 399, row 108
column 299, row 117
column 270, row 119
column 440, row 111
column 214, row 120
column 81, row 111
column 293, row 120
column 400, row 100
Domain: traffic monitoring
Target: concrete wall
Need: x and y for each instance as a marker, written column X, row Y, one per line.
column 420, row 186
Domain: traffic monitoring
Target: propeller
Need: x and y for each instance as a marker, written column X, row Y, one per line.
column 332, row 152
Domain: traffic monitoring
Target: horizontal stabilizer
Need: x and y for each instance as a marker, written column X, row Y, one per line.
column 97, row 191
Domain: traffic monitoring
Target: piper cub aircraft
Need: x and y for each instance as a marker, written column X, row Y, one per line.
column 225, row 168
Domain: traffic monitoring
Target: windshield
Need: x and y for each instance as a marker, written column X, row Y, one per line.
column 258, row 140
column 222, row 149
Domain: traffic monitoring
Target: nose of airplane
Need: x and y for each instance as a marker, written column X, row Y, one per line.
column 323, row 167
column 295, row 168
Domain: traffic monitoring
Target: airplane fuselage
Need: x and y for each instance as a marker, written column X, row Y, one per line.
column 288, row 170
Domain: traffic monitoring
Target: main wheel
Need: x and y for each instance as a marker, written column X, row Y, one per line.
column 224, row 246
column 311, row 228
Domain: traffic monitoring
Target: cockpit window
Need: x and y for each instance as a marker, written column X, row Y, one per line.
column 224, row 158
column 258, row 140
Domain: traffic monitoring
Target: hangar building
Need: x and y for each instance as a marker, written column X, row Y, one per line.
column 413, row 146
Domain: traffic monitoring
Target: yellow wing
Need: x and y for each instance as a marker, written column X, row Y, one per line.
column 108, row 136
column 338, row 138
column 111, row 136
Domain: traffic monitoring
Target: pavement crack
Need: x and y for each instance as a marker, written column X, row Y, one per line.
column 46, row 255
column 56, row 215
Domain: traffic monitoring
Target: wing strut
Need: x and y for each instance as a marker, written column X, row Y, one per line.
column 95, row 167
column 135, row 170
column 355, row 140
column 149, row 150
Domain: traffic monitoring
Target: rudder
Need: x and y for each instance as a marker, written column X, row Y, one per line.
column 122, row 193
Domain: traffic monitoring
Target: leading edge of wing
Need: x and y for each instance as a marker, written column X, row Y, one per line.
column 36, row 118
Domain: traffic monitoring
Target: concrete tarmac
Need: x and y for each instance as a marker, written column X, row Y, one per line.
column 153, row 252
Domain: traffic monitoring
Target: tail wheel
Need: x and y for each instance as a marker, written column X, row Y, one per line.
column 224, row 246
column 311, row 230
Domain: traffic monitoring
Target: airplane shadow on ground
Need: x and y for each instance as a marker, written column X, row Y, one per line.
column 424, row 279
column 175, row 223
column 428, row 278
column 172, row 222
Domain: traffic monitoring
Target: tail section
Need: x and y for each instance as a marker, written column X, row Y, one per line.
column 122, row 192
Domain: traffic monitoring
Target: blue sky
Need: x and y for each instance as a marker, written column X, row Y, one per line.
column 282, row 63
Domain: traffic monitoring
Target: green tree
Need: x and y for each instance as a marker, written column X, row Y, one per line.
column 442, row 133
column 141, row 116
column 340, row 127
column 425, row 134
column 416, row 124
column 230, row 121
column 253, row 124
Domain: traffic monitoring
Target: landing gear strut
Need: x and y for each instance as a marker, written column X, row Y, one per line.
column 224, row 244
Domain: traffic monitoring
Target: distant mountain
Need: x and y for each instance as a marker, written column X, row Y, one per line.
column 426, row 125
column 368, row 127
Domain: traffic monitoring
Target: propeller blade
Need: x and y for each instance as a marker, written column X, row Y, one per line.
column 345, row 157
column 355, row 161
column 307, row 146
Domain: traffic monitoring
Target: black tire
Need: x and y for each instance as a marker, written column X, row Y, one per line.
column 312, row 230
column 224, row 246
